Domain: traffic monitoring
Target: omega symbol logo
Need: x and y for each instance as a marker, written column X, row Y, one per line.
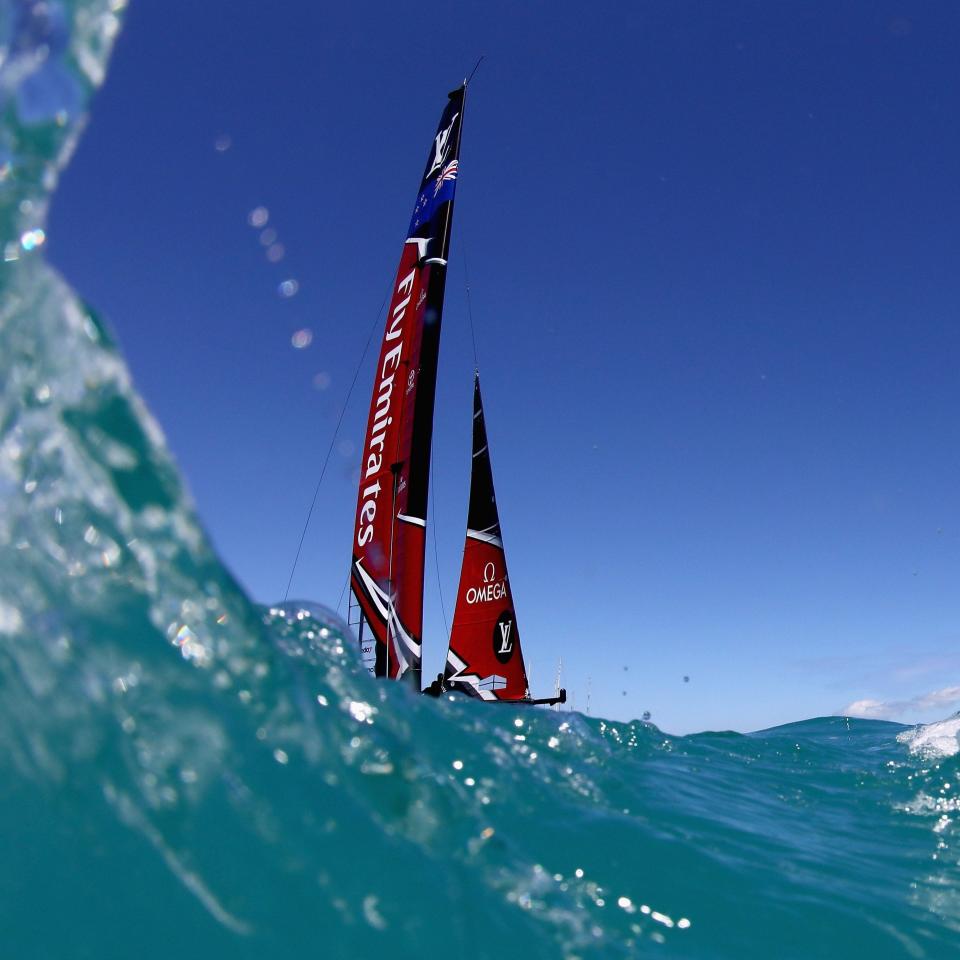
column 491, row 589
column 504, row 637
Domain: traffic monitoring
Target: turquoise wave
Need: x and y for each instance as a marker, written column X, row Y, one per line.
column 185, row 774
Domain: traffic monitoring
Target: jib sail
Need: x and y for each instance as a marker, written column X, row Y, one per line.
column 484, row 658
column 386, row 577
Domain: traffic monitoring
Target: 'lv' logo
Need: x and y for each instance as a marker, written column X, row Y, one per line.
column 441, row 144
column 505, row 645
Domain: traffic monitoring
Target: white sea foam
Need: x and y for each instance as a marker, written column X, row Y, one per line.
column 940, row 739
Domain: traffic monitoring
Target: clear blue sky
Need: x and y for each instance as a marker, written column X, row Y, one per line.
column 715, row 272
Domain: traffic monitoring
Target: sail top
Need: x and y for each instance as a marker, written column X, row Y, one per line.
column 482, row 516
column 438, row 184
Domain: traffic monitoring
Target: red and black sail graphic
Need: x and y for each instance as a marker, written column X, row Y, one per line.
column 386, row 577
column 484, row 658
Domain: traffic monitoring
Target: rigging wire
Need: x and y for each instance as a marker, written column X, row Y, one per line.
column 476, row 363
column 436, row 554
column 346, row 583
column 475, row 69
column 476, row 366
column 466, row 275
column 433, row 486
column 333, row 440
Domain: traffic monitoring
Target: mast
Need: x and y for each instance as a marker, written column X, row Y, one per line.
column 484, row 658
column 389, row 537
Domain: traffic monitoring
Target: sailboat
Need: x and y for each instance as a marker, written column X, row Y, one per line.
column 484, row 659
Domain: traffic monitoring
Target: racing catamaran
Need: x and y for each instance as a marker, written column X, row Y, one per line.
column 389, row 541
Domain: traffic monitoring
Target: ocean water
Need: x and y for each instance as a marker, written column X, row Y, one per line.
column 185, row 774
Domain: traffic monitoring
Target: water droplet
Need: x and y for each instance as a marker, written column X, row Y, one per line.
column 288, row 288
column 223, row 143
column 32, row 239
column 321, row 380
column 258, row 217
column 361, row 711
column 372, row 915
column 268, row 237
column 276, row 252
column 302, row 339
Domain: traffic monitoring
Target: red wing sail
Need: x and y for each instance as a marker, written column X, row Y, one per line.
column 484, row 658
column 386, row 576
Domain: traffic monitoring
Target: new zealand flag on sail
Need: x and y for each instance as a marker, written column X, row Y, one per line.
column 440, row 175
